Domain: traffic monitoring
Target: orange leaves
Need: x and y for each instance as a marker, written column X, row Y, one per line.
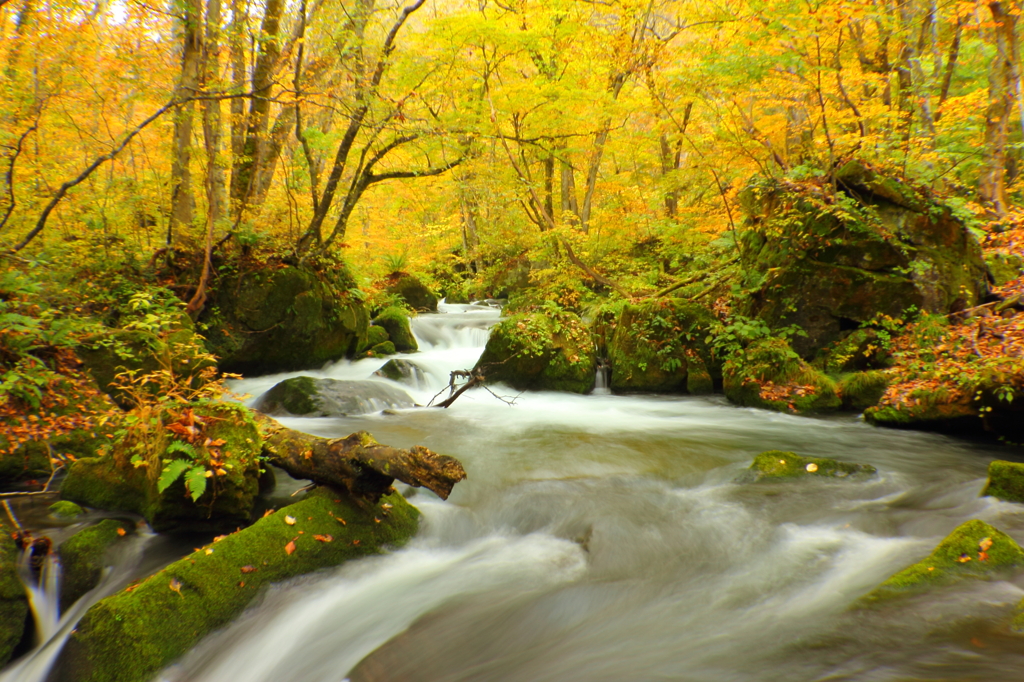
column 290, row 547
column 323, row 538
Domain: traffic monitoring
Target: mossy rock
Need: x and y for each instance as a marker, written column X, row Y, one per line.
column 66, row 510
column 1004, row 267
column 374, row 335
column 402, row 371
column 827, row 264
column 861, row 390
column 1005, row 481
column 382, row 350
column 309, row 397
column 861, row 350
column 961, row 555
column 396, row 322
column 775, row 465
column 541, row 350
column 132, row 635
column 144, row 352
column 660, row 347
column 412, row 291
column 770, row 375
column 83, row 558
column 114, row 483
column 13, row 602
column 284, row 319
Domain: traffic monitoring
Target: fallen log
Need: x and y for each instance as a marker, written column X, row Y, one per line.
column 357, row 464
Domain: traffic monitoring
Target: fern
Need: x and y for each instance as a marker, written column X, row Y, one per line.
column 171, row 473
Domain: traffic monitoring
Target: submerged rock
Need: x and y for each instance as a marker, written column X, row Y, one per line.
column 776, row 465
column 769, row 374
column 828, row 264
column 973, row 550
column 127, row 478
column 1005, row 481
column 545, row 349
column 284, row 319
column 402, row 371
column 396, row 323
column 413, row 291
column 660, row 347
column 65, row 509
column 83, row 558
column 309, row 397
column 132, row 635
column 13, row 602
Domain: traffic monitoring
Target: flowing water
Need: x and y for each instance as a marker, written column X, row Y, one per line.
column 604, row 537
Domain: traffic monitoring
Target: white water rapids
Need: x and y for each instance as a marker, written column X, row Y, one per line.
column 603, row 538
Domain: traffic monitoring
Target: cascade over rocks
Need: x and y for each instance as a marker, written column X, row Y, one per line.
column 284, row 319
column 402, row 371
column 878, row 247
column 543, row 349
column 310, row 397
column 660, row 347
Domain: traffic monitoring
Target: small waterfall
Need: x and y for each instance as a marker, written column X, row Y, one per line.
column 40, row 572
column 601, row 386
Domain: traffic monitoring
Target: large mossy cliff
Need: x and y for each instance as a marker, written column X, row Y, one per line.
column 132, row 635
column 287, row 318
column 832, row 261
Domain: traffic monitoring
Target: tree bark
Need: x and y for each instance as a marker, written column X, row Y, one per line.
column 357, row 464
column 992, row 185
column 188, row 85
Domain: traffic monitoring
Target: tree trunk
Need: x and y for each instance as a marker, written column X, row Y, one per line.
column 188, row 85
column 212, row 116
column 992, row 185
column 357, row 464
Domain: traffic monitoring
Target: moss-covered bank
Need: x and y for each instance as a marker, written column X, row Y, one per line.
column 770, row 375
column 83, row 558
column 130, row 636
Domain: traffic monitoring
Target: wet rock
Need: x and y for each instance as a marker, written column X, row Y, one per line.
column 126, row 478
column 374, row 335
column 402, row 371
column 776, row 465
column 1005, row 481
column 309, row 397
column 829, row 264
column 544, row 349
column 660, row 347
column 132, row 635
column 284, row 319
column 83, row 557
column 13, row 602
column 974, row 550
column 861, row 390
column 65, row 509
column 396, row 323
column 412, row 291
column 769, row 374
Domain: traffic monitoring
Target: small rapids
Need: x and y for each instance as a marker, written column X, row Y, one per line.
column 605, row 538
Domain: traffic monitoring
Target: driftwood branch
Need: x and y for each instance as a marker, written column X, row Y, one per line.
column 357, row 463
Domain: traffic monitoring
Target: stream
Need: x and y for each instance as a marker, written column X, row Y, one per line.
column 604, row 537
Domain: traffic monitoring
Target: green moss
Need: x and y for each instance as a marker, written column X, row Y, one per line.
column 382, row 349
column 957, row 557
column 544, row 350
column 396, row 322
column 1005, row 481
column 1004, row 267
column 13, row 602
column 132, row 635
column 374, row 335
column 770, row 375
column 83, row 558
column 418, row 296
column 66, row 509
column 656, row 345
column 297, row 395
column 779, row 465
column 861, row 390
column 924, row 406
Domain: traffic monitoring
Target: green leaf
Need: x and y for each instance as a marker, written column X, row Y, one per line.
column 171, row 473
column 195, row 481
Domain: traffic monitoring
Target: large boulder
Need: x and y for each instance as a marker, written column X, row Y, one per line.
column 132, row 635
column 769, row 374
column 412, row 291
column 309, row 397
column 542, row 349
column 661, row 347
column 973, row 550
column 13, row 602
column 831, row 263
column 395, row 321
column 193, row 469
column 284, row 319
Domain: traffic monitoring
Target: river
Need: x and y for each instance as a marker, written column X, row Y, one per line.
column 604, row 537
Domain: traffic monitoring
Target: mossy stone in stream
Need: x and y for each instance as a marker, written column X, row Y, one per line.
column 381, row 350
column 83, row 557
column 861, row 390
column 396, row 322
column 973, row 550
column 775, row 465
column 66, row 509
column 374, row 334
column 1005, row 481
column 13, row 602
column 130, row 636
